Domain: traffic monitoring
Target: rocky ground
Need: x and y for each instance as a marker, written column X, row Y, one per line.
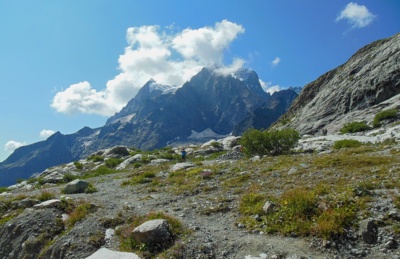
column 207, row 208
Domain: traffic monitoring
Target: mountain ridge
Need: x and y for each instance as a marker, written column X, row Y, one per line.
column 159, row 115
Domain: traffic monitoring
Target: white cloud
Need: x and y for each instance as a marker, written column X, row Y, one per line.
column 357, row 15
column 236, row 65
column 276, row 61
column 269, row 88
column 12, row 145
column 46, row 133
column 168, row 58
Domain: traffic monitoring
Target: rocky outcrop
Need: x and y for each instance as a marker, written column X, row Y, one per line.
column 26, row 235
column 355, row 91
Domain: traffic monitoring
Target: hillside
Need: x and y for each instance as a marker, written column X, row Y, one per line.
column 355, row 91
column 214, row 201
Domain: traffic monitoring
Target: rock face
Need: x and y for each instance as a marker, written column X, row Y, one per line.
column 355, row 91
column 27, row 234
column 208, row 105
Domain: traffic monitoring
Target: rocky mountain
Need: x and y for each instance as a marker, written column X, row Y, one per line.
column 355, row 91
column 210, row 105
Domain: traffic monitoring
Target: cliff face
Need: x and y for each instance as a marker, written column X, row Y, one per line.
column 368, row 82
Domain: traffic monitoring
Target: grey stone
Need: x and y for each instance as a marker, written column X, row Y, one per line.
column 369, row 231
column 181, row 166
column 76, row 186
column 153, row 232
column 105, row 253
column 269, row 207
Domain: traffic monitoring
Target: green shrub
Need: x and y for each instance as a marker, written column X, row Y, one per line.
column 3, row 189
column 91, row 189
column 384, row 115
column 252, row 203
column 216, row 144
column 69, row 177
column 346, row 143
column 96, row 158
column 45, row 196
column 78, row 165
column 79, row 213
column 355, row 126
column 101, row 170
column 273, row 142
column 113, row 162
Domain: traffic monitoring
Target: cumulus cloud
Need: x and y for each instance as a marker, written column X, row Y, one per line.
column 236, row 65
column 46, row 133
column 357, row 15
column 276, row 61
column 269, row 87
column 12, row 145
column 168, row 57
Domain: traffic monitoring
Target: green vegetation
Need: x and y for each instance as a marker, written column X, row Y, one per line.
column 353, row 127
column 3, row 189
column 384, row 115
column 78, row 165
column 78, row 212
column 91, row 189
column 113, row 162
column 299, row 211
column 69, row 177
column 273, row 142
column 96, row 158
column 45, row 196
column 101, row 170
column 346, row 143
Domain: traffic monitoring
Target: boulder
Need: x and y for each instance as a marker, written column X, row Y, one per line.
column 369, row 231
column 158, row 161
column 116, row 152
column 269, row 207
column 76, row 186
column 54, row 203
column 181, row 166
column 153, row 232
column 110, row 254
column 131, row 160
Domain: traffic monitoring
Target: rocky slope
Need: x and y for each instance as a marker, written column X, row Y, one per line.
column 355, row 91
column 209, row 105
column 206, row 194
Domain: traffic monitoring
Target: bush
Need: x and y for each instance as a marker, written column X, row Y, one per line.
column 273, row 142
column 355, row 126
column 69, row 177
column 346, row 143
column 113, row 162
column 78, row 165
column 96, row 158
column 45, row 196
column 91, row 189
column 384, row 115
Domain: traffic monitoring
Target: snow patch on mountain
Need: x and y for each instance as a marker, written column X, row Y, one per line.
column 205, row 134
column 165, row 89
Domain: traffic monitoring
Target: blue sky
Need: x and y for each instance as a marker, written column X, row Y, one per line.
column 69, row 64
